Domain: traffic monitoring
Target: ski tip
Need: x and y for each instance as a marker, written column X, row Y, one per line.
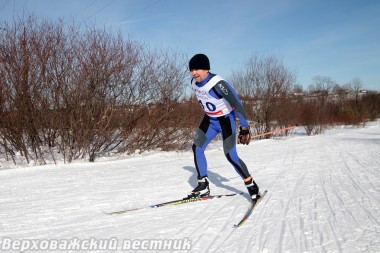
column 238, row 225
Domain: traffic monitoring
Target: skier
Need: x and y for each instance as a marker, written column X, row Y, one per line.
column 221, row 105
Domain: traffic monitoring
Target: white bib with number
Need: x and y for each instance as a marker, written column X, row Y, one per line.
column 213, row 107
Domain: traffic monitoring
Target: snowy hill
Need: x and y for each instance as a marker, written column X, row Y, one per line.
column 324, row 196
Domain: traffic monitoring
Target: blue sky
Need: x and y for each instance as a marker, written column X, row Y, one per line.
column 335, row 38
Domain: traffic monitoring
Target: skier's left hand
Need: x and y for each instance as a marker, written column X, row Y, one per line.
column 244, row 136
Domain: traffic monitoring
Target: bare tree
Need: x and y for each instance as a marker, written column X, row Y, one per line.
column 314, row 112
column 268, row 82
column 83, row 91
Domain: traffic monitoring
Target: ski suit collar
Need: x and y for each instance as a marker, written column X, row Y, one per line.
column 209, row 76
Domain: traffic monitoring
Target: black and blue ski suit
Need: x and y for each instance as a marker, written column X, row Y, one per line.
column 221, row 104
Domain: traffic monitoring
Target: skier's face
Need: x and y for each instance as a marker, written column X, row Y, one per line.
column 199, row 74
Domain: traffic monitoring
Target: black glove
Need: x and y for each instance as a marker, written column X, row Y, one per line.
column 244, row 136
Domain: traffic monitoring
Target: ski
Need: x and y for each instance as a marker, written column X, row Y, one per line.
column 250, row 210
column 175, row 202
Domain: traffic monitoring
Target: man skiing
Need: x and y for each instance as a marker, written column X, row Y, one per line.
column 221, row 105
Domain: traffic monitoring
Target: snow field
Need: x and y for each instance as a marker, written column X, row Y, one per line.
column 324, row 196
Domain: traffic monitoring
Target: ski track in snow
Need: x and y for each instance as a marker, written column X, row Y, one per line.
column 323, row 196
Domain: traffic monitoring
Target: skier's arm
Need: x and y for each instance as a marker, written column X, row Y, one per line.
column 225, row 90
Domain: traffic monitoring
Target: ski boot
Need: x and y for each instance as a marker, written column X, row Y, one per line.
column 253, row 189
column 202, row 189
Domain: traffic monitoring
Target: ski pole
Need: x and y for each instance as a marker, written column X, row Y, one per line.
column 274, row 131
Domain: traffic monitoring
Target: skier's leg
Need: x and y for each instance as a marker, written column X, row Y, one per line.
column 203, row 135
column 228, row 125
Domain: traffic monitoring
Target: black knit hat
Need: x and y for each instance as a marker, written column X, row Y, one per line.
column 199, row 61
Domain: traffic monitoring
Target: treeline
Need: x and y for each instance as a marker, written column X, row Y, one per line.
column 274, row 100
column 69, row 92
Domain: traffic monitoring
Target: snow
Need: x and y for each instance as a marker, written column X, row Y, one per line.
column 323, row 196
